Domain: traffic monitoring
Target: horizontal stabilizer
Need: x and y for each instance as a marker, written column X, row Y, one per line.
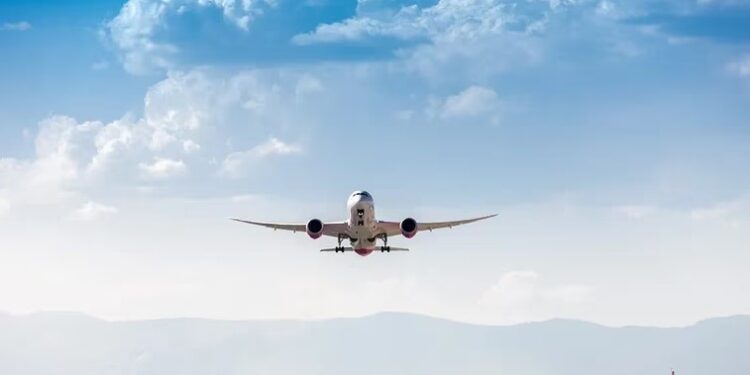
column 383, row 249
column 390, row 248
column 337, row 249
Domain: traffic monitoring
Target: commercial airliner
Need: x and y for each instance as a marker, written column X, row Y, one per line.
column 362, row 230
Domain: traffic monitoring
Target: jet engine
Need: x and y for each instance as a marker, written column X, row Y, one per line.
column 408, row 227
column 314, row 228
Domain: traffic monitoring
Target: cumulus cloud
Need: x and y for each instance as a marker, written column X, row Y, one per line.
column 453, row 36
column 59, row 145
column 352, row 29
column 162, row 168
column 448, row 19
column 234, row 164
column 182, row 115
column 155, row 35
column 444, row 21
column 136, row 28
column 16, row 26
column 112, row 139
column 92, row 211
column 474, row 60
column 480, row 38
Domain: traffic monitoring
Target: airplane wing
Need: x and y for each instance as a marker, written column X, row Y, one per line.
column 329, row 229
column 392, row 228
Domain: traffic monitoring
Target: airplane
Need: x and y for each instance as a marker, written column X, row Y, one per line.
column 362, row 230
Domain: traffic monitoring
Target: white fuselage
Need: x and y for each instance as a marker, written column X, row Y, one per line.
column 363, row 228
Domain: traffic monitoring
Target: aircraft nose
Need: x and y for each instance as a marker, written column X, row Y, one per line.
column 360, row 196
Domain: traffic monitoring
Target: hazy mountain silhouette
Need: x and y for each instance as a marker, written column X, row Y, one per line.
column 389, row 343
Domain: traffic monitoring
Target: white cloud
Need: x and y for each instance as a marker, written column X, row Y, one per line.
column 234, row 164
column 69, row 157
column 520, row 296
column 275, row 147
column 60, row 144
column 473, row 60
column 180, row 103
column 740, row 67
column 16, row 26
column 445, row 21
column 475, row 104
column 472, row 101
column 132, row 31
column 456, row 39
column 348, row 30
column 190, row 146
column 448, row 20
column 183, row 114
column 92, row 211
column 113, row 139
column 135, row 29
column 163, row 168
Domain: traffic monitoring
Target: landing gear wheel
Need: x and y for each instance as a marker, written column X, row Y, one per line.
column 340, row 237
column 339, row 247
column 385, row 244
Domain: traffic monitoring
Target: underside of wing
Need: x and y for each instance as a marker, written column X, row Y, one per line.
column 329, row 229
column 393, row 228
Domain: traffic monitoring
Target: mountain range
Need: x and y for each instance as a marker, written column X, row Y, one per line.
column 386, row 343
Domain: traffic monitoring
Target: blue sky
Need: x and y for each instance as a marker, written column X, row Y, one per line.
column 611, row 136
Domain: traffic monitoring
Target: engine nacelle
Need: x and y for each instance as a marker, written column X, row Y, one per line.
column 408, row 227
column 314, row 228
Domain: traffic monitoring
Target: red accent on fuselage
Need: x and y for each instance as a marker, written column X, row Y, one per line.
column 363, row 251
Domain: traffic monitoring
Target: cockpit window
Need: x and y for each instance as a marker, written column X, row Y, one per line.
column 362, row 193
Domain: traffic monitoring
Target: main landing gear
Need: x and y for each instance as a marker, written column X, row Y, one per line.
column 339, row 247
column 385, row 247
